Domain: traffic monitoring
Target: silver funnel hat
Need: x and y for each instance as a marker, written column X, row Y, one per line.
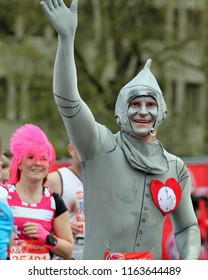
column 143, row 84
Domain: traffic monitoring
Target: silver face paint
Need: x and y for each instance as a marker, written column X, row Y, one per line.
column 142, row 115
column 144, row 84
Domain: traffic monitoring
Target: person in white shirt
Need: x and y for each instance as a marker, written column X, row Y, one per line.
column 67, row 182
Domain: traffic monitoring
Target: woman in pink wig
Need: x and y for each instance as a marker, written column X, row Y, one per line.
column 41, row 219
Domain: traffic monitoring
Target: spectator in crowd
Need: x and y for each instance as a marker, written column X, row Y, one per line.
column 5, row 173
column 6, row 218
column 1, row 159
column 67, row 182
column 41, row 219
column 6, row 226
column 130, row 181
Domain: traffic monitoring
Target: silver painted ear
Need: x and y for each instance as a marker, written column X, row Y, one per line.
column 118, row 120
column 125, row 121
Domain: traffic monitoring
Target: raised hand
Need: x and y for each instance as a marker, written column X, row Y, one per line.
column 63, row 19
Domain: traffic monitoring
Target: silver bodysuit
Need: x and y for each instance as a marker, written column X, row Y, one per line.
column 121, row 215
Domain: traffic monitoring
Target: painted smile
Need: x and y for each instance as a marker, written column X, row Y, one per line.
column 142, row 121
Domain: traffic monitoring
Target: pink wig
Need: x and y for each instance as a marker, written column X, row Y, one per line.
column 28, row 139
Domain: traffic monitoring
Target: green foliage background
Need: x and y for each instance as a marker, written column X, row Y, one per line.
column 110, row 48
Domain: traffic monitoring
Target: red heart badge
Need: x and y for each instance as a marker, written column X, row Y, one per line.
column 166, row 196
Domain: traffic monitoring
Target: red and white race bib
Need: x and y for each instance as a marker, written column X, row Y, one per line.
column 128, row 256
column 29, row 250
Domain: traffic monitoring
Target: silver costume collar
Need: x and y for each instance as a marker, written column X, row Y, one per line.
column 145, row 156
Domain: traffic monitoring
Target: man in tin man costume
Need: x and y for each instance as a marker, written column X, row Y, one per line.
column 130, row 181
